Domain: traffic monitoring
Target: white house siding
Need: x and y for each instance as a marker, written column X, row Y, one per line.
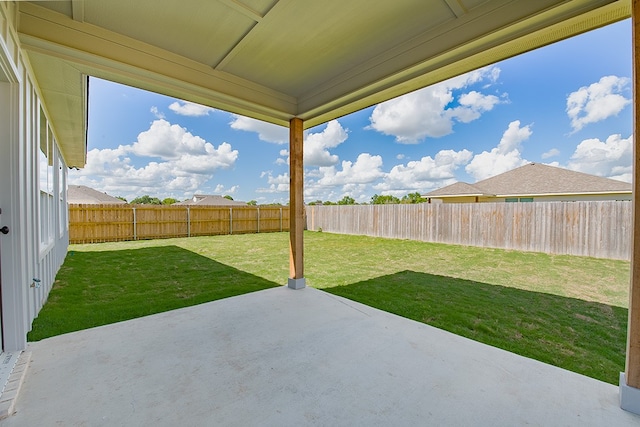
column 33, row 184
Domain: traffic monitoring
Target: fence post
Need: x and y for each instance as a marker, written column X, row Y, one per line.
column 281, row 219
column 135, row 231
column 230, row 220
column 188, row 222
column 258, row 220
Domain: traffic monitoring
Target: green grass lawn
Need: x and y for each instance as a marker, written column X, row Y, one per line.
column 564, row 310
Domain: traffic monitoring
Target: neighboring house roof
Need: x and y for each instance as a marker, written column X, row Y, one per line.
column 535, row 179
column 458, row 189
column 210, row 200
column 80, row 194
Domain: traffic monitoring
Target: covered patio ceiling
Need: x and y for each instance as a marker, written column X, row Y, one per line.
column 274, row 60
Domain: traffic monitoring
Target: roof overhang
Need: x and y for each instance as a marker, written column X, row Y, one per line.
column 585, row 193
column 453, row 196
column 278, row 59
column 500, row 196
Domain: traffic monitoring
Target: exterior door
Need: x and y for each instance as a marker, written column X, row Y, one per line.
column 3, row 230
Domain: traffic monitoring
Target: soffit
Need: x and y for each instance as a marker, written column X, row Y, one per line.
column 278, row 59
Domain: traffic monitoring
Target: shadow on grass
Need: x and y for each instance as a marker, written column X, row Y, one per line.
column 99, row 288
column 581, row 336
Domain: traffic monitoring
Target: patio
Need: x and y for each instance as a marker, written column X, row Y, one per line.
column 305, row 357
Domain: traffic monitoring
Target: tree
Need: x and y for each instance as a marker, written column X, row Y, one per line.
column 169, row 201
column 384, row 200
column 252, row 203
column 317, row 202
column 228, row 197
column 146, row 200
column 413, row 198
column 346, row 200
column 122, row 198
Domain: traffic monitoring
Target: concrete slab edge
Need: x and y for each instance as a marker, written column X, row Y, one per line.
column 12, row 389
column 297, row 283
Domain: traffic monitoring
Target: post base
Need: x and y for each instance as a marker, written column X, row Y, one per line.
column 297, row 283
column 629, row 396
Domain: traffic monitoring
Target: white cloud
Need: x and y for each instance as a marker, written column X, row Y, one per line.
column 472, row 105
column 106, row 162
column 168, row 141
column 187, row 163
column 212, row 159
column 597, row 102
column 220, row 189
column 551, row 153
column 317, row 145
column 352, row 179
column 266, row 131
column 357, row 178
column 159, row 114
column 504, row 157
column 611, row 158
column 277, row 184
column 427, row 112
column 186, row 108
column 426, row 174
column 284, row 158
column 366, row 169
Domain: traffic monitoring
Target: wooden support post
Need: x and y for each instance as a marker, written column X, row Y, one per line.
column 630, row 380
column 296, row 205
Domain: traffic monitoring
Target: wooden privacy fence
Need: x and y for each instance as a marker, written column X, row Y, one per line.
column 596, row 229
column 111, row 223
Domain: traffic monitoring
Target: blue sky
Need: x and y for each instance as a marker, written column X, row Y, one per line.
column 567, row 104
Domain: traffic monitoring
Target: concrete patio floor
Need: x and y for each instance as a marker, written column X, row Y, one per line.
column 281, row 357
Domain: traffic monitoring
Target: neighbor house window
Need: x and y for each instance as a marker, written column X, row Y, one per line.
column 516, row 199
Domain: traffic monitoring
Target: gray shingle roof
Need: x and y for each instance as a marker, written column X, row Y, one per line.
column 458, row 189
column 80, row 194
column 536, row 178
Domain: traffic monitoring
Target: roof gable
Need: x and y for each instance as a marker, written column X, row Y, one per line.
column 80, row 194
column 458, row 189
column 536, row 178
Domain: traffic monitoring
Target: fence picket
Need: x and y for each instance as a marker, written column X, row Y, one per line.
column 597, row 229
column 110, row 223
